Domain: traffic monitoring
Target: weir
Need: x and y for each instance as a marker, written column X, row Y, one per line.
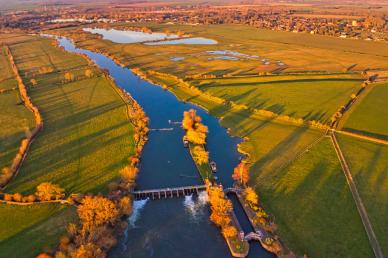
column 168, row 192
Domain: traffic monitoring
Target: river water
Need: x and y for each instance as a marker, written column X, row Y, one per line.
column 177, row 227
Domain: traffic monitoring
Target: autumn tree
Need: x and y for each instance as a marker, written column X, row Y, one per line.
column 229, row 231
column 88, row 73
column 128, row 175
column 96, row 211
column 220, row 206
column 47, row 191
column 69, row 76
column 43, row 255
column 33, row 82
column 195, row 137
column 125, row 205
column 241, row 174
column 88, row 250
column 17, row 197
column 251, row 197
column 200, row 155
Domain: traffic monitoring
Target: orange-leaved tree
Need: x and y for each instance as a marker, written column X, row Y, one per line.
column 96, row 211
column 241, row 174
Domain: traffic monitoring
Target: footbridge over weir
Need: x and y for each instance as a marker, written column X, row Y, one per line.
column 169, row 192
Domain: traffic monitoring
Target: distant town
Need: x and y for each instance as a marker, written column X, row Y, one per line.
column 365, row 24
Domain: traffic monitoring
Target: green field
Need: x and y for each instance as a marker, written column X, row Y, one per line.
column 86, row 140
column 16, row 120
column 368, row 163
column 87, row 135
column 25, row 231
column 309, row 97
column 370, row 116
column 313, row 207
column 7, row 80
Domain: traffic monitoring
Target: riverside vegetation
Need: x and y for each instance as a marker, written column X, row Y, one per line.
column 285, row 154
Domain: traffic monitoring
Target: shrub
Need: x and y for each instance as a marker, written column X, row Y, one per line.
column 17, row 197
column 7, row 197
column 47, row 191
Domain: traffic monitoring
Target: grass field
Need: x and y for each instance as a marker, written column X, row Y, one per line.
column 34, row 228
column 313, row 206
column 86, row 137
column 300, row 52
column 15, row 118
column 370, row 116
column 308, row 97
column 368, row 163
column 7, row 80
column 86, row 140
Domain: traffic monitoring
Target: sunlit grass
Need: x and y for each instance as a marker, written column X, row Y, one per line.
column 368, row 164
column 370, row 116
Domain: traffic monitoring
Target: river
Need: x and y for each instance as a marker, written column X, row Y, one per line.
column 171, row 227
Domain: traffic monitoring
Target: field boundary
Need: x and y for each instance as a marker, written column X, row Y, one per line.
column 363, row 137
column 357, row 199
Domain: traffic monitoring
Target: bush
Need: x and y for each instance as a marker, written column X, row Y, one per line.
column 47, row 191
column 7, row 197
column 17, row 197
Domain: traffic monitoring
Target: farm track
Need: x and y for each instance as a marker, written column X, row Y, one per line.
column 357, row 199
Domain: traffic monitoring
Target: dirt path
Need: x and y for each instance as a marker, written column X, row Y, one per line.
column 357, row 199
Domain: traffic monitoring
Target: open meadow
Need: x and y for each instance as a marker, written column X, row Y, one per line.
column 309, row 97
column 86, row 140
column 34, row 228
column 313, row 207
column 368, row 163
column 75, row 114
column 370, row 116
column 16, row 119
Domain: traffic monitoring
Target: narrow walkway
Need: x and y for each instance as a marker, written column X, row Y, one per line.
column 357, row 199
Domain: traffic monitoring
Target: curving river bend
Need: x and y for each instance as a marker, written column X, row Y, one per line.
column 177, row 227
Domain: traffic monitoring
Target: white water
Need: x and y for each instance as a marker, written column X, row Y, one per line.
column 137, row 207
column 195, row 207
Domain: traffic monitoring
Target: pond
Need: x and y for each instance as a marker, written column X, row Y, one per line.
column 184, row 41
column 129, row 36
